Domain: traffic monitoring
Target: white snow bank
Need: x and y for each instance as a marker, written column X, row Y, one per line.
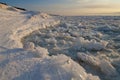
column 16, row 25
column 58, row 67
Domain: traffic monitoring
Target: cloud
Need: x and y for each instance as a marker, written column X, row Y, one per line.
column 98, row 6
column 92, row 1
column 82, row 1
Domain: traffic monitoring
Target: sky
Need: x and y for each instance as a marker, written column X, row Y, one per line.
column 70, row 7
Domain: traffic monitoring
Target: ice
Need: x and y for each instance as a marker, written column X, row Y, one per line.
column 108, row 69
column 29, row 46
column 36, row 45
column 92, row 44
column 51, row 40
column 105, row 66
column 71, row 38
column 41, row 52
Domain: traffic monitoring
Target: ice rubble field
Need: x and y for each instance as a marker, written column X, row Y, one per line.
column 91, row 41
column 37, row 46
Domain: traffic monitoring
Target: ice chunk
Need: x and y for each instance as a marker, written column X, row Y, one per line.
column 91, row 44
column 104, row 65
column 29, row 46
column 51, row 40
column 45, row 16
column 91, row 77
column 41, row 52
column 107, row 68
column 88, row 59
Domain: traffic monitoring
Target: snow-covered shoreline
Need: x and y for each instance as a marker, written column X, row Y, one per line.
column 17, row 63
column 27, row 61
column 27, row 24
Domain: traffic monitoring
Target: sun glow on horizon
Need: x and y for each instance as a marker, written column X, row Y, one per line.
column 71, row 7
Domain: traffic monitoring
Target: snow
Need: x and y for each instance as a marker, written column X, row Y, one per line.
column 55, row 67
column 29, row 62
column 35, row 45
column 19, row 26
column 86, row 44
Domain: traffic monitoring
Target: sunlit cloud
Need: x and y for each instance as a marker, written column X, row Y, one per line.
column 94, row 1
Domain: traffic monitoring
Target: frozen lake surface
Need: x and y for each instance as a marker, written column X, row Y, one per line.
column 97, row 37
column 80, row 34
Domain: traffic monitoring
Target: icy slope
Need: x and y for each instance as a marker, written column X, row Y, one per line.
column 31, row 62
column 15, row 25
